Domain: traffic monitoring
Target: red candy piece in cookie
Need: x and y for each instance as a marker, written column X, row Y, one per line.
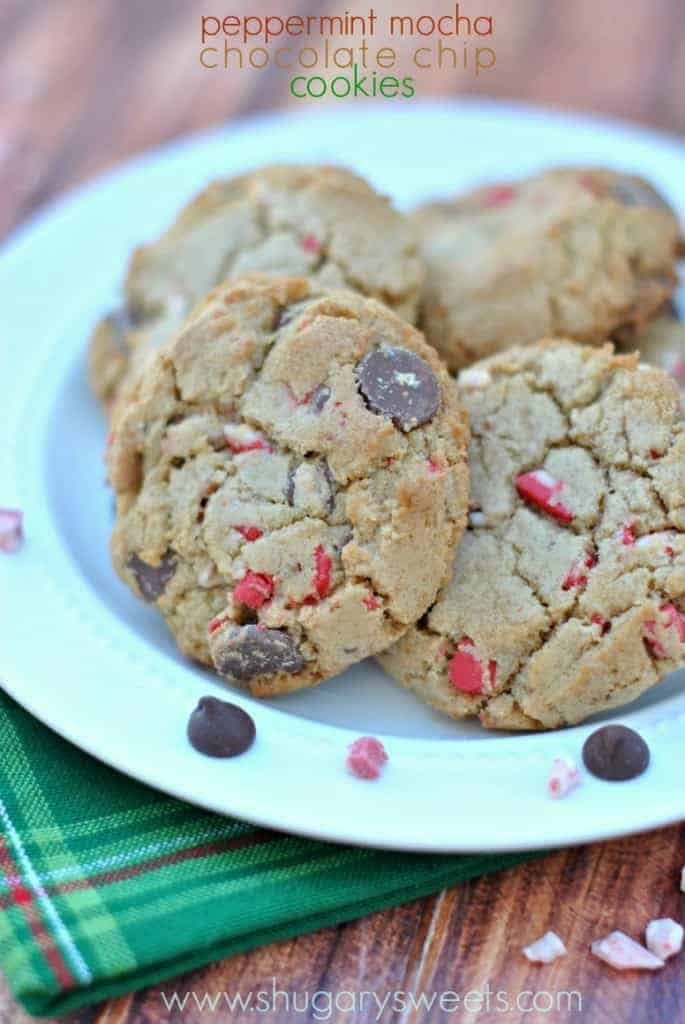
column 254, row 589
column 540, row 488
column 321, row 580
column 310, row 243
column 371, row 602
column 468, row 673
column 577, row 574
column 250, row 532
column 627, row 535
column 11, row 530
column 671, row 618
column 366, row 757
column 499, row 195
column 240, row 438
column 216, row 623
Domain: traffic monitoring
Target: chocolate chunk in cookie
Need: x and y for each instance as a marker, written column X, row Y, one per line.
column 398, row 384
column 152, row 579
column 242, row 652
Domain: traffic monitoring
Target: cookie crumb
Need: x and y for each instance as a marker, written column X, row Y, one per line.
column 664, row 937
column 11, row 530
column 564, row 777
column 546, row 949
column 366, row 757
column 620, row 951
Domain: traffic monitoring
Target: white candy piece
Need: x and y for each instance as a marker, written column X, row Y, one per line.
column 474, row 378
column 625, row 954
column 563, row 778
column 545, row 950
column 682, row 880
column 477, row 518
column 664, row 937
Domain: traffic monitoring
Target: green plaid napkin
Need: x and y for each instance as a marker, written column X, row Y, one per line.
column 106, row 885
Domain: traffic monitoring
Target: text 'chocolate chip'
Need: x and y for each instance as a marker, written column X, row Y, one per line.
column 220, row 729
column 400, row 385
column 615, row 753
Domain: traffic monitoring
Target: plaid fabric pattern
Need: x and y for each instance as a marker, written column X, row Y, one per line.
column 106, row 885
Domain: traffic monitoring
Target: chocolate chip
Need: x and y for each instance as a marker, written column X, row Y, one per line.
column 615, row 753
column 242, row 652
column 330, row 484
column 152, row 579
column 289, row 489
column 400, row 385
column 320, row 397
column 636, row 192
column 220, row 729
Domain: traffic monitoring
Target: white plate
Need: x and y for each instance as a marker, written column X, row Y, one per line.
column 96, row 665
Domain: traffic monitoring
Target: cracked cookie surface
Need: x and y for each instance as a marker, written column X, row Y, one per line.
column 572, row 253
column 291, row 481
column 567, row 595
column 323, row 222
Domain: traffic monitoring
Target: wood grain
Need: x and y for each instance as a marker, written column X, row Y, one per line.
column 85, row 84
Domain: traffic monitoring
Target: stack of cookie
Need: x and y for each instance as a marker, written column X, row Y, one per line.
column 296, row 484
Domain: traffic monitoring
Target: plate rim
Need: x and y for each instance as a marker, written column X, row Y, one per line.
column 27, row 234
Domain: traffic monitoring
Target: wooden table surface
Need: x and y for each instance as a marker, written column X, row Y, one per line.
column 85, row 84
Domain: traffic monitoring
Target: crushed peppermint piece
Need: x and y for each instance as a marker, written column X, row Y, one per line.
column 477, row 518
column 545, row 950
column 664, row 937
column 474, row 378
column 322, row 572
column 599, row 620
column 499, row 195
column 217, row 623
column 254, row 589
column 627, row 535
column 682, row 879
column 241, row 438
column 624, row 953
column 468, row 673
column 371, row 602
column 249, row 532
column 564, row 777
column 11, row 530
column 310, row 243
column 671, row 618
column 434, row 466
column 540, row 488
column 366, row 757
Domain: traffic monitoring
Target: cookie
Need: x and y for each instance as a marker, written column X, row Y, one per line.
column 573, row 253
column 324, row 222
column 291, row 481
column 567, row 595
column 661, row 343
